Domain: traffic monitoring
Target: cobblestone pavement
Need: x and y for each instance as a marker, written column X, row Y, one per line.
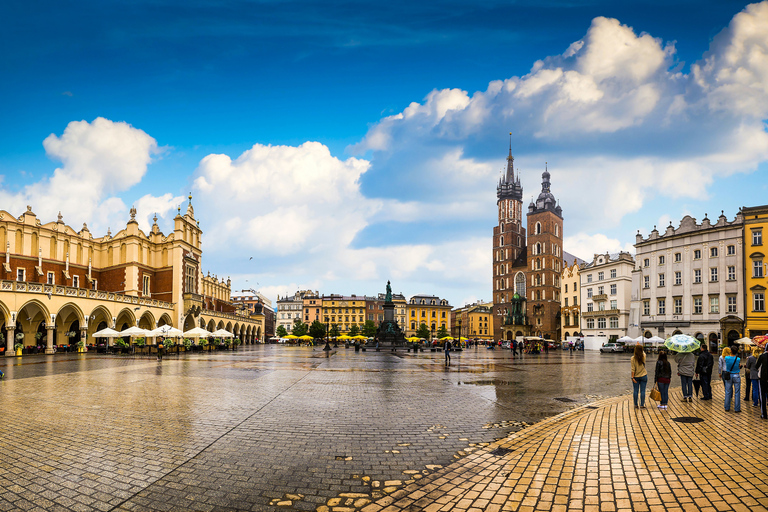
column 291, row 428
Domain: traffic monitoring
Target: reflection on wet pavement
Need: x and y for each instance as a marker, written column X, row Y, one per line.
column 243, row 430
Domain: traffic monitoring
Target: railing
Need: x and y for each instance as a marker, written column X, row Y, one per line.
column 68, row 291
column 230, row 316
column 600, row 297
column 605, row 312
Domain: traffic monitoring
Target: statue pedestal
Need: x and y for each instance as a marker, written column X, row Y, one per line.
column 389, row 335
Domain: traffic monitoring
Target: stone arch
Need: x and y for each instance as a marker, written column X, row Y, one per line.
column 165, row 319
column 228, row 327
column 733, row 335
column 211, row 325
column 125, row 319
column 147, row 321
column 236, row 330
column 258, row 333
column 70, row 318
column 677, row 331
column 189, row 323
column 74, row 308
column 99, row 314
column 566, row 334
column 220, row 325
column 202, row 322
column 28, row 320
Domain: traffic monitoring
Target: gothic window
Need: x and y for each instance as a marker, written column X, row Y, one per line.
column 538, row 248
column 520, row 284
column 501, row 242
column 538, row 228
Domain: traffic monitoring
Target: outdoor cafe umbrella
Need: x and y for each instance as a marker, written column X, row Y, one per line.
column 134, row 332
column 222, row 333
column 682, row 343
column 760, row 341
column 167, row 331
column 413, row 338
column 745, row 341
column 197, row 332
column 306, row 337
column 106, row 333
column 626, row 339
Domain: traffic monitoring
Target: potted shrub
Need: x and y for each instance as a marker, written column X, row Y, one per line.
column 235, row 342
column 19, row 346
column 122, row 345
column 187, row 344
column 81, row 346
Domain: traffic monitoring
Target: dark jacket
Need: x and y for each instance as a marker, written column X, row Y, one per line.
column 705, row 364
column 663, row 370
column 762, row 362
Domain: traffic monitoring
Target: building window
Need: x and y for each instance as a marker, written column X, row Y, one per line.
column 758, row 300
column 713, row 275
column 661, row 279
column 146, row 286
column 590, row 306
column 566, row 302
column 600, row 276
column 76, row 281
column 51, row 278
column 732, row 273
column 697, row 275
column 757, row 237
column 661, row 260
column 613, row 289
column 678, row 257
column 93, row 285
column 590, row 323
column 713, row 252
column 589, row 293
column 646, row 307
column 589, row 278
column 600, row 290
column 613, row 273
column 731, row 304
column 697, row 305
column 601, row 323
column 646, row 281
column 731, row 250
column 614, row 304
column 601, row 306
column 647, row 262
column 614, row 322
column 678, row 278
column 190, row 288
column 678, row 302
column 697, row 254
column 662, row 309
column 714, row 304
column 757, row 268
column 20, row 274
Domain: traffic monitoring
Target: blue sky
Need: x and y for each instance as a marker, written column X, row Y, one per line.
column 343, row 144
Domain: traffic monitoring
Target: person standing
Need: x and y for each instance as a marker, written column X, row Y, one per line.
column 514, row 347
column 447, row 349
column 639, row 376
column 704, row 366
column 762, row 372
column 686, row 367
column 662, row 378
column 750, row 372
column 160, row 349
column 732, row 380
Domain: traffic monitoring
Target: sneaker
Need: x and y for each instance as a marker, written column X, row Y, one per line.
column 636, row 407
column 642, row 407
column 660, row 406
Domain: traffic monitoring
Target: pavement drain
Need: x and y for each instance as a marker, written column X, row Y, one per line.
column 590, row 407
column 501, row 451
column 688, row 419
column 343, row 457
column 564, row 399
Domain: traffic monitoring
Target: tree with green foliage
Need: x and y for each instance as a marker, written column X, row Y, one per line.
column 281, row 332
column 354, row 330
column 335, row 331
column 442, row 332
column 317, row 329
column 423, row 332
column 369, row 328
column 300, row 328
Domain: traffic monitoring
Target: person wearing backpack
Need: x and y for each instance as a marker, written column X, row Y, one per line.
column 447, row 349
column 731, row 380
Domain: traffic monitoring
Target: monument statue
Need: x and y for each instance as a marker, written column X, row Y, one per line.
column 389, row 334
column 388, row 298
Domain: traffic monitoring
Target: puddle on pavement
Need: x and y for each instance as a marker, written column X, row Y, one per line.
column 491, row 382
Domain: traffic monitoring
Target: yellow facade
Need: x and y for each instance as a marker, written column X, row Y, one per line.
column 344, row 311
column 429, row 310
column 474, row 321
column 569, row 301
column 756, row 268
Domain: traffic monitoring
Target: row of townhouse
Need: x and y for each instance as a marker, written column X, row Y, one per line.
column 704, row 279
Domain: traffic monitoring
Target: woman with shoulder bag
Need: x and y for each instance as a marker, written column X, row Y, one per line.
column 639, row 375
column 732, row 380
column 754, row 379
column 662, row 378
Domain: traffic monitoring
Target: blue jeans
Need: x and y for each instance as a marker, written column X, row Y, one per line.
column 687, row 383
column 755, row 391
column 733, row 386
column 639, row 387
column 664, row 390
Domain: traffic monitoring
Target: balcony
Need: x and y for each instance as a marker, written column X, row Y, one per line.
column 193, row 300
column 605, row 312
column 598, row 298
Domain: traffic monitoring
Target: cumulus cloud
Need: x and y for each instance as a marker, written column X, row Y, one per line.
column 163, row 206
column 99, row 160
column 616, row 119
column 586, row 246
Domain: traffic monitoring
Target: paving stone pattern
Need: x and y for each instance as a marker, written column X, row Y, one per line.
column 277, row 428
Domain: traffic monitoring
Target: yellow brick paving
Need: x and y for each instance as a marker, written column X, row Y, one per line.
column 611, row 458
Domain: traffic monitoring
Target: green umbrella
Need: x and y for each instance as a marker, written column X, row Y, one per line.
column 682, row 343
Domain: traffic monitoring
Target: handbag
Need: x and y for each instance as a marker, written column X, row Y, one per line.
column 727, row 373
column 655, row 393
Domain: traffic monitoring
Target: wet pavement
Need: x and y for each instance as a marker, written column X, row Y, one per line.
column 269, row 427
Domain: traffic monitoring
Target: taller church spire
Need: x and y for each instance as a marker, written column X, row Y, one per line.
column 508, row 187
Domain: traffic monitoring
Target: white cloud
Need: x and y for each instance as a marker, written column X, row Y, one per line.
column 586, row 246
column 99, row 159
column 163, row 206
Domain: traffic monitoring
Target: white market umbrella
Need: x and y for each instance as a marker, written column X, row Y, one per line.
column 134, row 332
column 166, row 330
column 745, row 341
column 106, row 333
column 222, row 333
column 197, row 332
column 626, row 339
column 655, row 340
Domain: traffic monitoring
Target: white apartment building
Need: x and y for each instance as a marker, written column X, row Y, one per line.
column 606, row 295
column 689, row 280
column 290, row 308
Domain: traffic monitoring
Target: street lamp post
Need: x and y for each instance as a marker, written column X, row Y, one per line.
column 327, row 346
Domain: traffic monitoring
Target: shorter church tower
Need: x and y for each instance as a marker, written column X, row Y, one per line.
column 545, row 256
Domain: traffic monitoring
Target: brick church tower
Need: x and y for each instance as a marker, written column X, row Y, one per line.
column 509, row 255
column 545, row 257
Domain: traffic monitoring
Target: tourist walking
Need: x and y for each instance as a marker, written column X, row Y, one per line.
column 639, row 376
column 686, row 367
column 762, row 372
column 514, row 347
column 704, row 365
column 750, row 372
column 731, row 380
column 662, row 378
column 447, row 349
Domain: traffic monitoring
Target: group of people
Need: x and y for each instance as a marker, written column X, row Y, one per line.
column 695, row 371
